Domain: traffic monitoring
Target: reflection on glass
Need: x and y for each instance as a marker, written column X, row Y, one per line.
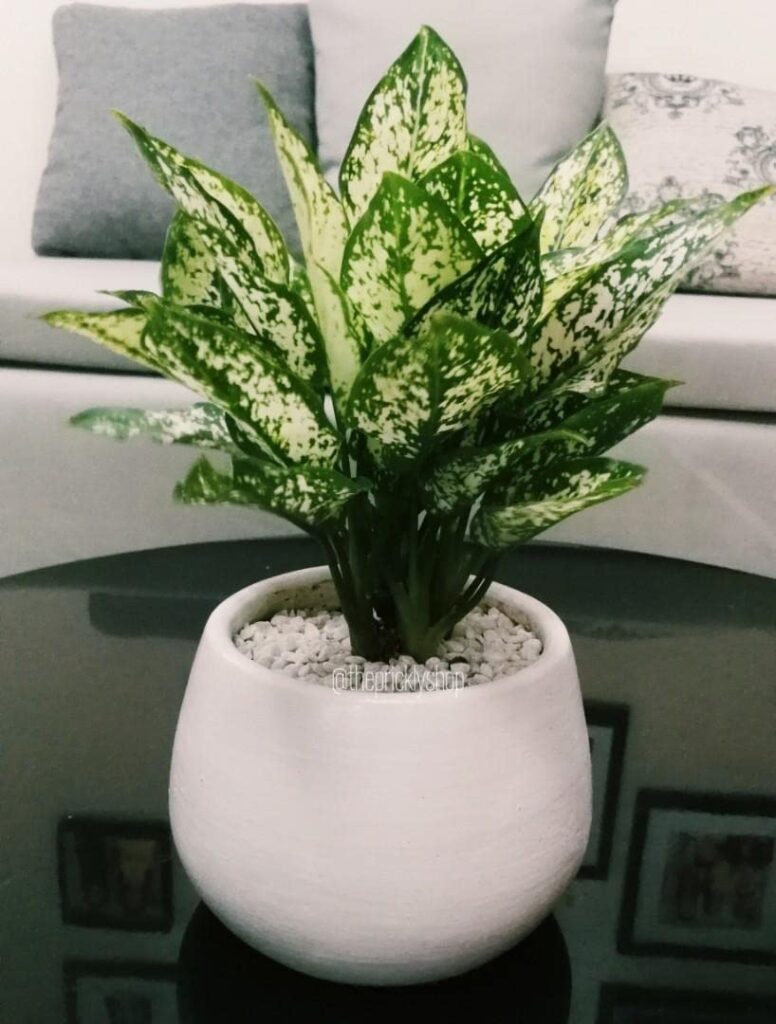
column 221, row 979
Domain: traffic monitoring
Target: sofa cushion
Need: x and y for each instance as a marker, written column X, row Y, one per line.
column 68, row 494
column 702, row 500
column 40, row 284
column 685, row 136
column 707, row 497
column 723, row 346
column 535, row 70
column 186, row 75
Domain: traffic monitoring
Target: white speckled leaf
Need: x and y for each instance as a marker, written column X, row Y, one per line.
column 592, row 424
column 481, row 149
column 630, row 401
column 188, row 271
column 554, row 408
column 308, row 496
column 137, row 297
column 592, row 378
column 461, row 478
column 323, row 226
column 502, row 291
column 565, row 267
column 582, row 191
column 412, row 388
column 225, row 308
column 343, row 334
column 121, row 331
column 619, row 233
column 206, row 194
column 226, row 366
column 404, row 250
column 202, row 425
column 484, row 201
column 299, row 282
column 415, row 118
column 547, row 496
column 606, row 313
column 273, row 311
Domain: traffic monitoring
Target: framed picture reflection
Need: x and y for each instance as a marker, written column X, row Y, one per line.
column 115, row 874
column 627, row 1004
column 701, row 878
column 607, row 726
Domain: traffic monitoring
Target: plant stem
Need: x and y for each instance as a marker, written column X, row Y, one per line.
column 404, row 576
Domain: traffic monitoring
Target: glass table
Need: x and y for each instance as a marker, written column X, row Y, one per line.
column 671, row 921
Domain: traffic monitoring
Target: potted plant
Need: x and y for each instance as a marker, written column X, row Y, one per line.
column 438, row 382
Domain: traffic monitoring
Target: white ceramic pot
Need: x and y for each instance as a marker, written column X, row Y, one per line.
column 378, row 838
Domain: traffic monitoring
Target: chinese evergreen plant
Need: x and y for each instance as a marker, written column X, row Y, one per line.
column 440, row 380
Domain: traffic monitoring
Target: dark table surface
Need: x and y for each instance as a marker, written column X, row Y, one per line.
column 673, row 918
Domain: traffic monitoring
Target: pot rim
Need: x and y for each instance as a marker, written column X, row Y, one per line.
column 233, row 612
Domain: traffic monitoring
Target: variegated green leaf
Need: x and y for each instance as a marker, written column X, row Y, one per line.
column 323, row 226
column 231, row 317
column 206, row 194
column 189, row 273
column 461, row 477
column 592, row 377
column 273, row 311
column 582, row 191
column 630, row 401
column 502, row 291
column 299, row 282
column 226, row 366
column 406, row 247
column 246, row 443
column 226, row 309
column 136, row 297
column 622, row 232
column 415, row 118
column 606, row 313
column 413, row 388
column 485, row 201
column 202, row 425
column 307, row 495
column 481, row 149
column 121, row 331
column 591, row 424
column 565, row 267
column 550, row 495
column 343, row 334
column 623, row 393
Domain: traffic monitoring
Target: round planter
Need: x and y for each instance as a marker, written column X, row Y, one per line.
column 378, row 838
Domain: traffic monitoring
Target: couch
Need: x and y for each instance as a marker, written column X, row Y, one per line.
column 67, row 495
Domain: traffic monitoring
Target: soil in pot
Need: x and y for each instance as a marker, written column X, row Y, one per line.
column 314, row 643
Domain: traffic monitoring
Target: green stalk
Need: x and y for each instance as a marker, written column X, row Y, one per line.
column 470, row 598
column 364, row 636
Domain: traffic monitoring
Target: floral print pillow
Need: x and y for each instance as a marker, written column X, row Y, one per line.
column 688, row 136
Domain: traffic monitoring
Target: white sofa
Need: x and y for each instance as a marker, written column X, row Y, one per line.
column 711, row 492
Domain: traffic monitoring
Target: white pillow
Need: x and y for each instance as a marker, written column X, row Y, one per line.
column 685, row 136
column 535, row 70
column 732, row 40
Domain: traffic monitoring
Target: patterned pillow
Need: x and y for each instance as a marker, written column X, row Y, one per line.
column 685, row 136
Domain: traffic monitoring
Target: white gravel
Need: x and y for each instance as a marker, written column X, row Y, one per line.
column 314, row 644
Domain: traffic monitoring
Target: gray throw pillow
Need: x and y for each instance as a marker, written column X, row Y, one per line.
column 186, row 75
column 535, row 70
column 685, row 136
